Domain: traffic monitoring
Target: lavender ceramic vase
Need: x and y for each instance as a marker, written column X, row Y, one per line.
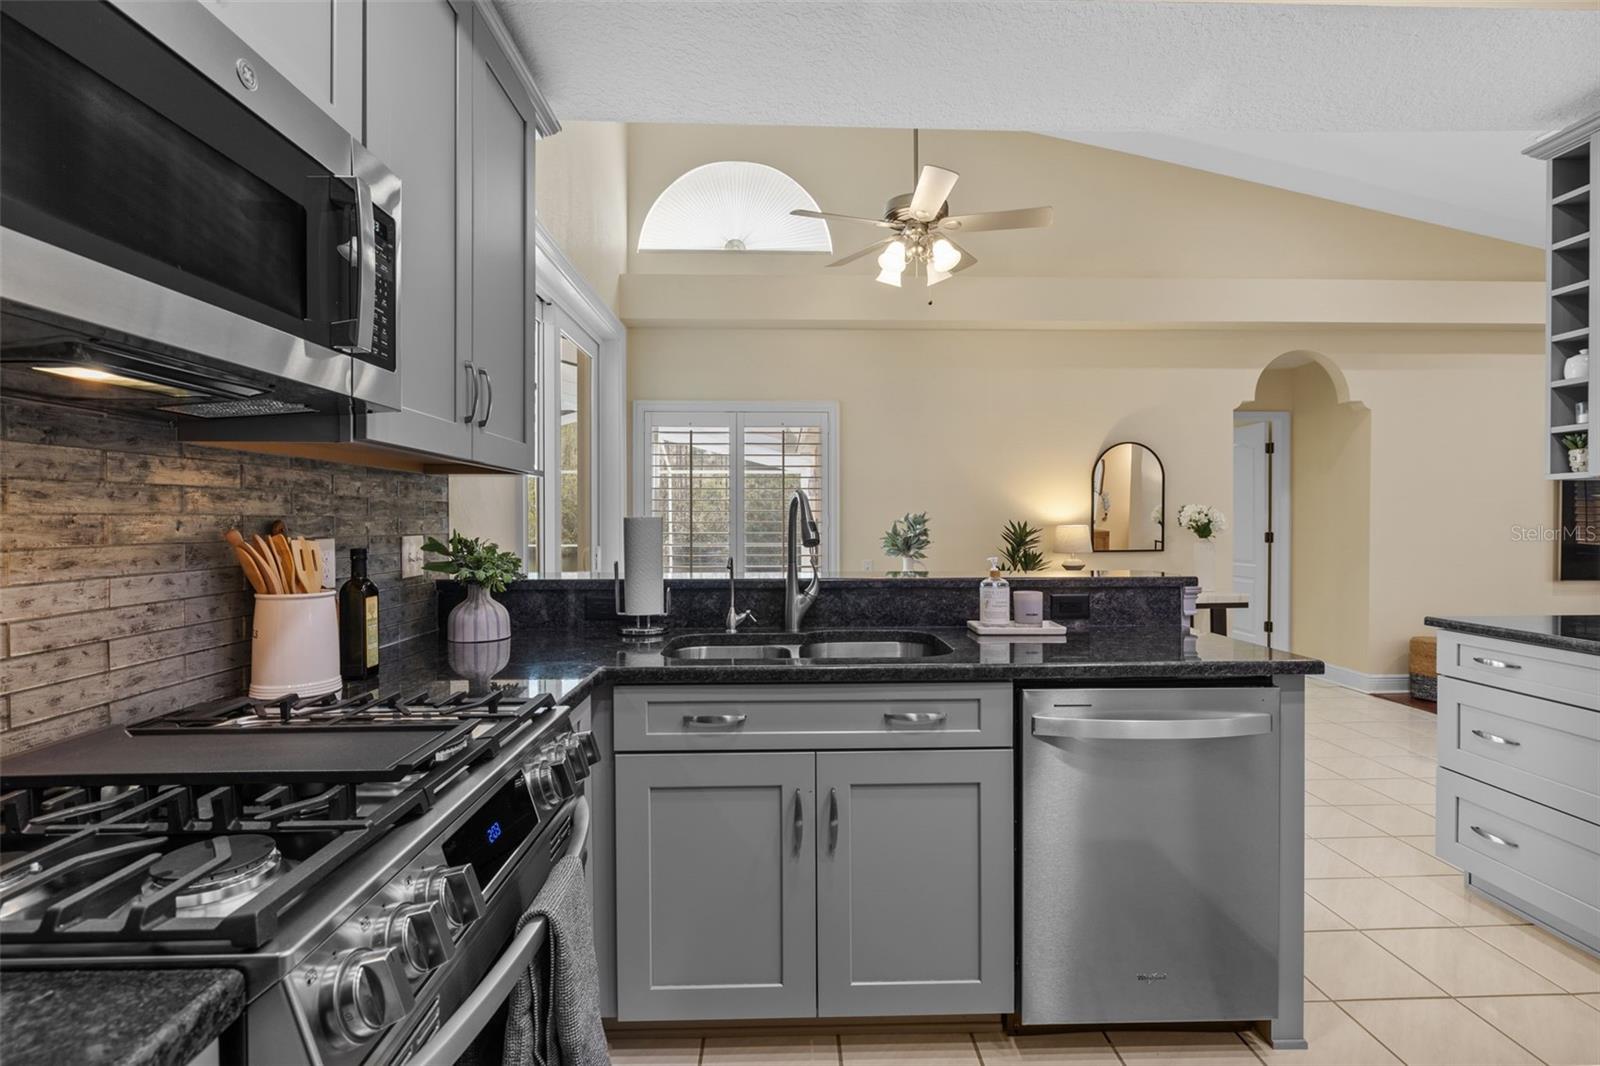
column 478, row 618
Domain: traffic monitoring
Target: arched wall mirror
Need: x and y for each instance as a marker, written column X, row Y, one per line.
column 1130, row 500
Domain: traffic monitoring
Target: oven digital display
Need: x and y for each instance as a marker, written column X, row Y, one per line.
column 493, row 832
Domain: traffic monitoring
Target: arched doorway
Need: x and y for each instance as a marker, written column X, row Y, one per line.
column 1302, row 501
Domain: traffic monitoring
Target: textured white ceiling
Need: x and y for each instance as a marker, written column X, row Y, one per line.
column 1062, row 65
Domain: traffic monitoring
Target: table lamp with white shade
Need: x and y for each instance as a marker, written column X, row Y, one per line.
column 1070, row 540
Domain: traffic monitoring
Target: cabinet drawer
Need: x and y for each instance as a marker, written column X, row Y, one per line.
column 1548, row 752
column 812, row 717
column 1549, row 859
column 1545, row 672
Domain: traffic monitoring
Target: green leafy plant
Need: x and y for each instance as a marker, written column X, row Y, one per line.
column 1020, row 552
column 473, row 562
column 1573, row 441
column 908, row 537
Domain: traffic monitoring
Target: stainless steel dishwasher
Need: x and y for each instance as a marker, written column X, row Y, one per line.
column 1149, row 855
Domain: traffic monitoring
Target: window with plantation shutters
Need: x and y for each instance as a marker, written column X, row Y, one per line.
column 720, row 478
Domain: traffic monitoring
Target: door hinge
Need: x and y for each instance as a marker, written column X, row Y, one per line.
column 1271, row 447
column 1266, row 627
column 1267, row 536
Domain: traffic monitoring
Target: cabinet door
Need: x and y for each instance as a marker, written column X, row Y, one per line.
column 316, row 44
column 716, row 886
column 419, row 123
column 504, row 333
column 914, row 883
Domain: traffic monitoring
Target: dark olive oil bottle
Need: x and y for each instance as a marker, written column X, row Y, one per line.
column 358, row 621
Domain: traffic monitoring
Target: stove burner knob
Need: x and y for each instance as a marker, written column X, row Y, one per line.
column 588, row 745
column 420, row 932
column 550, row 780
column 456, row 889
column 572, row 752
column 364, row 992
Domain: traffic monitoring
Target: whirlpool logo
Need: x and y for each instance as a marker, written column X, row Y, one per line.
column 1154, row 975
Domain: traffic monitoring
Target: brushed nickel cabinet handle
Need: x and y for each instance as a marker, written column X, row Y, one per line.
column 714, row 721
column 1495, row 664
column 917, row 718
column 488, row 404
column 472, row 390
column 1495, row 738
column 799, row 822
column 1492, row 838
column 833, row 820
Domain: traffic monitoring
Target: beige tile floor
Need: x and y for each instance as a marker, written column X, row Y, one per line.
column 1403, row 965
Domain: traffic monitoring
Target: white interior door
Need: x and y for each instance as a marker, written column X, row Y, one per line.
column 1252, row 504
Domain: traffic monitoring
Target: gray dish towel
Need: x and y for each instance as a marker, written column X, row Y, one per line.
column 554, row 1017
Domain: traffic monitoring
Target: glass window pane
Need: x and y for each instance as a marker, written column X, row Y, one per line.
column 577, row 458
column 690, row 490
column 777, row 461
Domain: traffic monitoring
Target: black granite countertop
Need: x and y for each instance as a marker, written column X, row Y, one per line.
column 567, row 664
column 1568, row 632
column 128, row 1017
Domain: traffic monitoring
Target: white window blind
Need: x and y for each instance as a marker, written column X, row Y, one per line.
column 721, row 479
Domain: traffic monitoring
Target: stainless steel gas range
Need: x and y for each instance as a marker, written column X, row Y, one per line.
column 362, row 860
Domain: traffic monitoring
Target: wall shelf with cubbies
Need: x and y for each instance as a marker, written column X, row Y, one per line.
column 1573, row 157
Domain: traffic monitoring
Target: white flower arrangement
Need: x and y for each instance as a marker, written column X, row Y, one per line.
column 1203, row 521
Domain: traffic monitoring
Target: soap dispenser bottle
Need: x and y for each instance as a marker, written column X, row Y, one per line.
column 994, row 597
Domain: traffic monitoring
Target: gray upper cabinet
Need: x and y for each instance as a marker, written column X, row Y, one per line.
column 504, row 308
column 914, row 883
column 419, row 123
column 716, row 885
column 316, row 44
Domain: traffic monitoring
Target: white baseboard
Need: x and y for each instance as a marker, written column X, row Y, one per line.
column 1368, row 683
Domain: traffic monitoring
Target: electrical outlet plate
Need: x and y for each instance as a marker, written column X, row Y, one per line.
column 411, row 559
column 330, row 562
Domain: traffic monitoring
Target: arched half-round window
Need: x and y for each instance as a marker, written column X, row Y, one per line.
column 733, row 206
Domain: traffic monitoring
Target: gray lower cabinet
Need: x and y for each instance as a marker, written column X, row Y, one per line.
column 716, row 886
column 914, row 883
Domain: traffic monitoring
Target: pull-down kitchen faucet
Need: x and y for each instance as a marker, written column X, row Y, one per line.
column 801, row 528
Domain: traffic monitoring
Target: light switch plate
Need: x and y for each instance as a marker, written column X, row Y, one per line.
column 411, row 556
column 330, row 562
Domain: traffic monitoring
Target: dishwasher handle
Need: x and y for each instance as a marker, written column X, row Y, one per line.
column 1193, row 725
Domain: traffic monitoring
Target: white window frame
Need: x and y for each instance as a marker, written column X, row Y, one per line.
column 732, row 415
column 566, row 297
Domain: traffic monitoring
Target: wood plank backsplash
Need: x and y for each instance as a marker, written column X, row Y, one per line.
column 118, row 597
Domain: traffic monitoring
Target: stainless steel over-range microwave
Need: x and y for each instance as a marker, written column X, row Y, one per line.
column 183, row 233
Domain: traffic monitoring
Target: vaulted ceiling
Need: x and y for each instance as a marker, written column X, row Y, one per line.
column 1318, row 98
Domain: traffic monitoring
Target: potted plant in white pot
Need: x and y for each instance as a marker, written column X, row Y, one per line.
column 1577, row 445
column 483, row 568
column 908, row 540
column 1205, row 523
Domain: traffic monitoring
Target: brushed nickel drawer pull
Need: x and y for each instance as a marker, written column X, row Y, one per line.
column 914, row 717
column 833, row 820
column 799, row 822
column 1492, row 838
column 1495, row 738
column 1496, row 664
column 714, row 721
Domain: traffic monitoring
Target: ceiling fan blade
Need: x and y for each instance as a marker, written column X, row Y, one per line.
column 933, row 189
column 803, row 213
column 868, row 250
column 1021, row 218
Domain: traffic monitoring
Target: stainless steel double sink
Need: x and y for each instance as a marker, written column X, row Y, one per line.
column 821, row 646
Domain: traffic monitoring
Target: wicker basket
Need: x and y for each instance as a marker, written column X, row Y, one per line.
column 1425, row 668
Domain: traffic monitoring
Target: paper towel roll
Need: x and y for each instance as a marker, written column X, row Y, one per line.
column 643, row 591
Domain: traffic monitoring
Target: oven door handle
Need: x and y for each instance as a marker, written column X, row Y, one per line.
column 468, row 1020
column 365, row 244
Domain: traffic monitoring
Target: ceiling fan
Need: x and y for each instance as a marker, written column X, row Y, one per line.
column 922, row 225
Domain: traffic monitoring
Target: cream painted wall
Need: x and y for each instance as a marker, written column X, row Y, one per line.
column 978, row 427
column 1117, row 215
column 581, row 197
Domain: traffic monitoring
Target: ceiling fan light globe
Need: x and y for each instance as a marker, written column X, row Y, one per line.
column 889, row 277
column 944, row 257
column 893, row 258
column 935, row 275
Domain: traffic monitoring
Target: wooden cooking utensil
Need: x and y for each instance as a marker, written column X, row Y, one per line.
column 264, row 569
column 307, row 565
column 269, row 564
column 252, row 572
column 285, row 560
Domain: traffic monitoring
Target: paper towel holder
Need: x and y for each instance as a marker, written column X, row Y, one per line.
column 645, row 627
